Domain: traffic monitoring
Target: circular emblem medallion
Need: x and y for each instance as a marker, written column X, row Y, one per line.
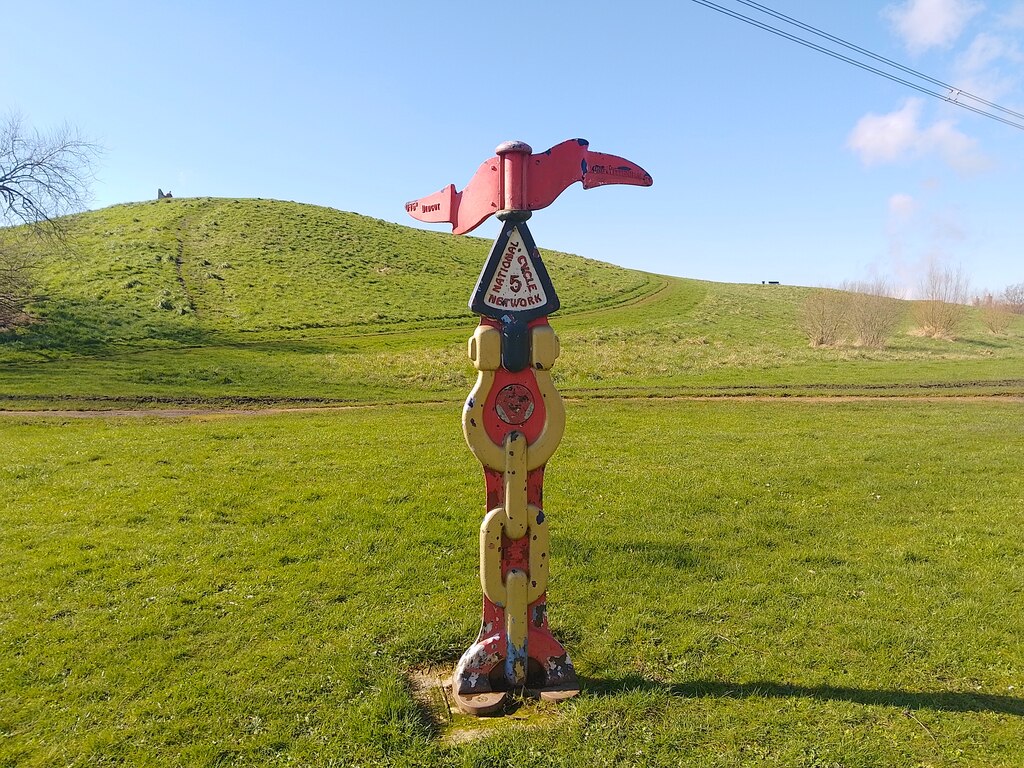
column 514, row 404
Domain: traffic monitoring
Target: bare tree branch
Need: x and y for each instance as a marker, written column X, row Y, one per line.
column 43, row 177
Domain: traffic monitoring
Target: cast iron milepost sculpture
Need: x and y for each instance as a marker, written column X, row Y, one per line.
column 514, row 417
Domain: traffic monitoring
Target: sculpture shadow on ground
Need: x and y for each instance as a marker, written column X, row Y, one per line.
column 940, row 701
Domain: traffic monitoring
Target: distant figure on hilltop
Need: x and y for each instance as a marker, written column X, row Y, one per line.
column 161, row 196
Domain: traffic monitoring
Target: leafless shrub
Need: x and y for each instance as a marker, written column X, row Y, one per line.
column 942, row 308
column 822, row 317
column 873, row 314
column 994, row 312
column 1014, row 298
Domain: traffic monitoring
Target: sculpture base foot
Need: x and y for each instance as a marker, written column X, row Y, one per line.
column 559, row 693
column 495, row 702
column 480, row 704
column 482, row 690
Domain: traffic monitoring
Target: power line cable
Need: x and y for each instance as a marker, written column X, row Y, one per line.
column 867, row 67
column 882, row 59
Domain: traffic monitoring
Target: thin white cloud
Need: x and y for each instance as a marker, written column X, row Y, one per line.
column 948, row 228
column 984, row 51
column 1014, row 18
column 919, row 233
column 899, row 136
column 978, row 69
column 924, row 24
column 958, row 149
column 902, row 207
column 880, row 139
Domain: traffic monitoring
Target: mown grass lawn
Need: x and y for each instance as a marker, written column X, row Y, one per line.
column 685, row 338
column 740, row 583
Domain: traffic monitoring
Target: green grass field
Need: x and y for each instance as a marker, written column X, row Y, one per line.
column 780, row 583
column 826, row 575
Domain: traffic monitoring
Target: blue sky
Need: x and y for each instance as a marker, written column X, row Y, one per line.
column 770, row 161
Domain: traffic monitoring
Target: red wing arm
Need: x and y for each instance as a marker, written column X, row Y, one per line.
column 465, row 210
column 545, row 176
column 437, row 207
column 550, row 173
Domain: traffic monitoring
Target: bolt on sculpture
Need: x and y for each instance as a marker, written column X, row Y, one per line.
column 514, row 417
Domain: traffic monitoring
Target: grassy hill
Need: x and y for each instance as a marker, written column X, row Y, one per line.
column 219, row 269
column 252, row 301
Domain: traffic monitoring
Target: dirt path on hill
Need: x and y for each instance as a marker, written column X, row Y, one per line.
column 185, row 413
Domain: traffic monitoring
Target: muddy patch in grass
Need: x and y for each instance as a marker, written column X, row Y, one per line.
column 431, row 689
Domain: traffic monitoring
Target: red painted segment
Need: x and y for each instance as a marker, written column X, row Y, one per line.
column 437, row 207
column 488, row 652
column 514, row 181
column 513, row 156
column 464, row 210
column 531, row 427
column 552, row 172
column 479, row 199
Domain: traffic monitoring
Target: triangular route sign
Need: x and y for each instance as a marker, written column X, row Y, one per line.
column 514, row 281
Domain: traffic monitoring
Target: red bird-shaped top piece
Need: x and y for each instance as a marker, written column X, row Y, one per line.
column 514, row 179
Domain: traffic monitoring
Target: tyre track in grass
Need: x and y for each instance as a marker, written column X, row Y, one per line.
column 661, row 290
column 184, row 413
column 656, row 290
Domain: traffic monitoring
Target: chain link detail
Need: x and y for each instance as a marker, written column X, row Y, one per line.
column 516, row 518
column 485, row 352
column 512, row 521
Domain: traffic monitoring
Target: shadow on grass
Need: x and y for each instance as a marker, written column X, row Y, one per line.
column 942, row 701
column 992, row 343
column 90, row 326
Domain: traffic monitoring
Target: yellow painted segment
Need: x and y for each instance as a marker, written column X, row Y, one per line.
column 540, row 554
column 544, row 347
column 487, row 452
column 490, row 556
column 485, row 348
column 515, row 485
column 547, row 441
column 516, row 624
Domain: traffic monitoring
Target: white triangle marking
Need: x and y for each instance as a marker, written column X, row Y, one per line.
column 515, row 285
